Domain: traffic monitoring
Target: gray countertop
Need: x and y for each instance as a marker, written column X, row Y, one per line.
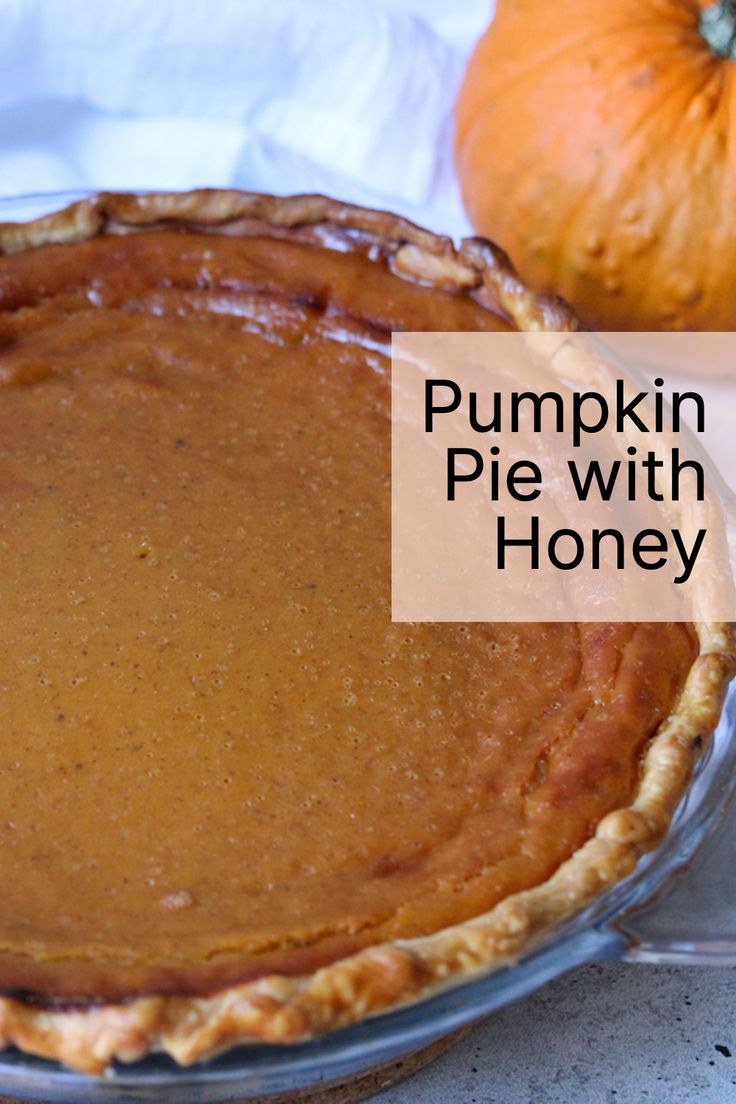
column 609, row 1034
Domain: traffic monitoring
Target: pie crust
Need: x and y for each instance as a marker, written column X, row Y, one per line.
column 282, row 1008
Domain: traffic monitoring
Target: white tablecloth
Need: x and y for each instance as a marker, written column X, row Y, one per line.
column 349, row 97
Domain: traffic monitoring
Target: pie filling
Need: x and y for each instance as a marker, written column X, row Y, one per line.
column 218, row 756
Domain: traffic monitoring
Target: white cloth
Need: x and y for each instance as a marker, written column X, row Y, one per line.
column 349, row 97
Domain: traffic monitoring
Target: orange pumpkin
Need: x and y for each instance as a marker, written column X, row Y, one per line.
column 596, row 142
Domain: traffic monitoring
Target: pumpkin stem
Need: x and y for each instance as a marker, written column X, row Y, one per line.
column 718, row 28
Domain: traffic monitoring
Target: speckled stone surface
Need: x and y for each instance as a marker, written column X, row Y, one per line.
column 608, row 1034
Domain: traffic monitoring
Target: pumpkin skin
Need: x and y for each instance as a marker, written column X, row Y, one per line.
column 596, row 143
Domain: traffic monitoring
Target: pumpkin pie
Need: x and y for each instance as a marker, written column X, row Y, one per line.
column 238, row 802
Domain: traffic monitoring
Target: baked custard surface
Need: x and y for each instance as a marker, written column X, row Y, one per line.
column 219, row 759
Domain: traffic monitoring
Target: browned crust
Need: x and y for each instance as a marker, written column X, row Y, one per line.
column 476, row 267
column 286, row 1009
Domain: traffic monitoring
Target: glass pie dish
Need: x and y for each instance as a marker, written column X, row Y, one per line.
column 614, row 925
